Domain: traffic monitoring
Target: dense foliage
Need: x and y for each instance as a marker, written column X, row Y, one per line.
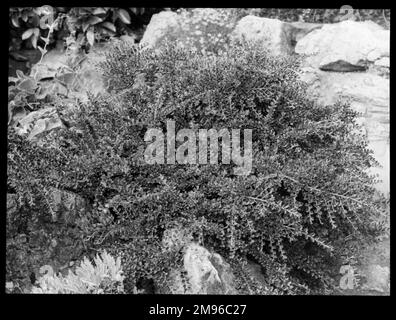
column 308, row 193
column 79, row 26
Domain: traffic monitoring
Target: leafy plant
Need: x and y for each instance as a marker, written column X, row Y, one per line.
column 103, row 277
column 27, row 92
column 79, row 27
column 308, row 196
column 96, row 22
column 33, row 22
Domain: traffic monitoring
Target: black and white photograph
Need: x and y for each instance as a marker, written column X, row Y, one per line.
column 198, row 151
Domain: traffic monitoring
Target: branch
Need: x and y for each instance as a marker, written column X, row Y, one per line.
column 328, row 192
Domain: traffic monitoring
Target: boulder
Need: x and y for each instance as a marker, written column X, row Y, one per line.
column 338, row 64
column 160, row 27
column 299, row 29
column 368, row 94
column 203, row 272
column 345, row 46
column 273, row 34
column 278, row 37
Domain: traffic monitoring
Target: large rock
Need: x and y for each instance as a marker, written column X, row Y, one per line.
column 278, row 37
column 345, row 46
column 271, row 33
column 299, row 29
column 160, row 27
column 331, row 57
column 204, row 272
column 199, row 26
column 369, row 95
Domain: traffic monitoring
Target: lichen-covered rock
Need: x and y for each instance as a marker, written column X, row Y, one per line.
column 271, row 33
column 345, row 46
column 205, row 30
column 160, row 27
column 203, row 272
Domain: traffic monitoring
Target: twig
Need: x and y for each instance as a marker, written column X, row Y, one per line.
column 331, row 193
column 273, row 175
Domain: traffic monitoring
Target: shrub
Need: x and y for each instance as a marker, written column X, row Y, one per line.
column 308, row 191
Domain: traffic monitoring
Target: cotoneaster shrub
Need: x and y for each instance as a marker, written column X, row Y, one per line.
column 307, row 198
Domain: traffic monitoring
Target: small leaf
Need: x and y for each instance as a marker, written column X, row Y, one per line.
column 85, row 27
column 107, row 32
column 67, row 78
column 25, row 16
column 28, row 85
column 20, row 74
column 35, row 20
column 15, row 21
column 27, row 34
column 124, row 16
column 109, row 25
column 39, row 127
column 99, row 11
column 18, row 112
column 90, row 37
column 36, row 33
column 94, row 20
column 34, row 41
